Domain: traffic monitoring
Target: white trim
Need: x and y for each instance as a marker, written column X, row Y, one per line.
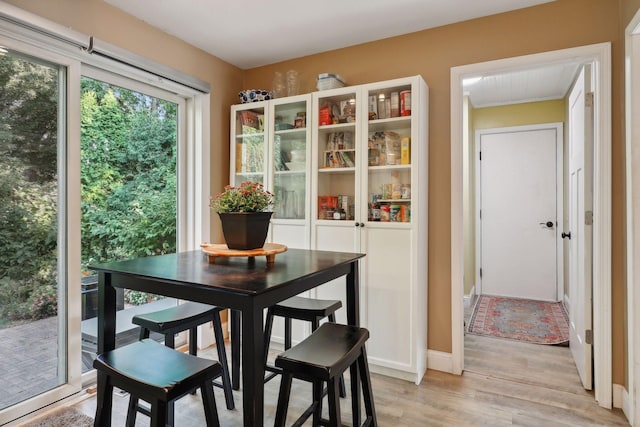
column 469, row 298
column 632, row 179
column 68, row 212
column 559, row 128
column 600, row 54
column 440, row 361
column 621, row 398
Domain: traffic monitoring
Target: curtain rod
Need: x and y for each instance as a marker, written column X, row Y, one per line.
column 105, row 49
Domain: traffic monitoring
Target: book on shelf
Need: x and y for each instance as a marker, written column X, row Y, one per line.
column 339, row 159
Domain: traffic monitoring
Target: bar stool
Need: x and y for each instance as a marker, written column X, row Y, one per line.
column 158, row 375
column 300, row 308
column 188, row 316
column 323, row 357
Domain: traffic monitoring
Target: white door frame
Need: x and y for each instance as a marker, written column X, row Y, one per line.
column 600, row 56
column 559, row 128
column 631, row 406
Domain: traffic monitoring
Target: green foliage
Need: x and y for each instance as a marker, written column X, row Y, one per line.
column 139, row 298
column 128, row 178
column 246, row 197
column 128, row 174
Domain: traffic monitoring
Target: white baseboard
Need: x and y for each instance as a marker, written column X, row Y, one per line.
column 621, row 400
column 440, row 361
column 468, row 298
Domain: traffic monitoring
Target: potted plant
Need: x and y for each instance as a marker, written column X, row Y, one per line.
column 245, row 212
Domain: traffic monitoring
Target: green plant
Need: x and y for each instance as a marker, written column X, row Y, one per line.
column 138, row 298
column 247, row 197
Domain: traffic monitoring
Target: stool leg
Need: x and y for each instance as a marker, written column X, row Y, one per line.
column 268, row 325
column 334, row 403
column 209, row 403
column 222, row 358
column 317, row 400
column 193, row 345
column 235, row 349
column 287, row 333
column 367, row 392
column 104, row 407
column 283, row 400
column 159, row 415
column 170, row 340
column 144, row 333
column 193, row 341
column 343, row 389
column 132, row 412
column 355, row 393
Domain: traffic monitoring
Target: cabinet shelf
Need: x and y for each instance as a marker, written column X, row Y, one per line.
column 389, row 167
column 336, row 170
column 337, row 126
column 391, row 123
column 394, row 200
column 257, row 135
column 290, row 134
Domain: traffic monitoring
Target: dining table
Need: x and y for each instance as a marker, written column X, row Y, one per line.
column 245, row 285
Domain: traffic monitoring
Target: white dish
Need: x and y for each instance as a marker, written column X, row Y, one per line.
column 295, row 166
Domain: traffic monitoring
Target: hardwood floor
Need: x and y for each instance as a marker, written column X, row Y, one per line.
column 505, row 383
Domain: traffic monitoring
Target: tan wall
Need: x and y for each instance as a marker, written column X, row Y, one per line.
column 530, row 113
column 432, row 53
column 97, row 18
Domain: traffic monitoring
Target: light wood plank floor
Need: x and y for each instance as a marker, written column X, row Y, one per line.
column 505, row 383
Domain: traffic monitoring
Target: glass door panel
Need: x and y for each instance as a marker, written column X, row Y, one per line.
column 129, row 142
column 248, row 130
column 389, row 154
column 33, row 283
column 290, row 159
column 337, row 155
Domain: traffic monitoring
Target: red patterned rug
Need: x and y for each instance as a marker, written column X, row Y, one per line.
column 538, row 322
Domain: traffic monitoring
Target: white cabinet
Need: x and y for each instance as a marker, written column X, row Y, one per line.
column 372, row 171
column 351, row 181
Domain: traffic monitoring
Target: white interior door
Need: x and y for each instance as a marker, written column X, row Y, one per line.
column 518, row 184
column 579, row 242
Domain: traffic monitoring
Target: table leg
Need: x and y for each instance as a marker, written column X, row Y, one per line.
column 106, row 342
column 353, row 318
column 252, row 367
column 235, row 349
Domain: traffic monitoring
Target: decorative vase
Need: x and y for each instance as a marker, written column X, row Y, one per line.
column 245, row 230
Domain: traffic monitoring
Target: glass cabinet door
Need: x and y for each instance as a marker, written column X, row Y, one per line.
column 336, row 154
column 290, row 156
column 389, row 154
column 248, row 132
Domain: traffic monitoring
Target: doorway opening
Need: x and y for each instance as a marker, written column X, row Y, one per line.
column 599, row 57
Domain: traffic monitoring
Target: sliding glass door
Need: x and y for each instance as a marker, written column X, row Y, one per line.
column 36, row 364
column 95, row 165
column 129, row 149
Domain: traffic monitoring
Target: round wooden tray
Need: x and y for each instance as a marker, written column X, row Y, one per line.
column 214, row 250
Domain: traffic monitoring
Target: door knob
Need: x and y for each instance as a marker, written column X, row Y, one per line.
column 548, row 224
column 567, row 235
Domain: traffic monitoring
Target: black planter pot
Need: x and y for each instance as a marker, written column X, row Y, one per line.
column 245, row 230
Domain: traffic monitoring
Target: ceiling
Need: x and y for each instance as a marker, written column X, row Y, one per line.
column 536, row 84
column 252, row 33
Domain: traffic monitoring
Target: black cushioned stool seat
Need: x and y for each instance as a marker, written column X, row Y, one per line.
column 299, row 308
column 188, row 316
column 158, row 375
column 323, row 357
